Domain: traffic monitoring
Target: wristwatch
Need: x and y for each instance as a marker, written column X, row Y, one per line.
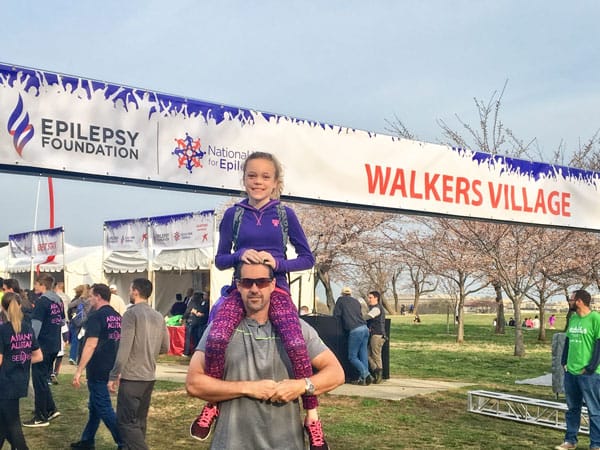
column 310, row 387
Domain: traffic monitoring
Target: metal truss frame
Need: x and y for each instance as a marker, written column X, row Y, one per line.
column 523, row 409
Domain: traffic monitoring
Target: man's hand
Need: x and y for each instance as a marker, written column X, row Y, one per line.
column 76, row 380
column 113, row 385
column 288, row 390
column 260, row 390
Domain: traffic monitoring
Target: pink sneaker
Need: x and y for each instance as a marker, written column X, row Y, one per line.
column 316, row 437
column 202, row 426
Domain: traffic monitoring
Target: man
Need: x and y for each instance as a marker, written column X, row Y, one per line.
column 143, row 336
column 101, row 341
column 348, row 310
column 196, row 320
column 178, row 308
column 580, row 358
column 59, row 289
column 116, row 301
column 376, row 325
column 47, row 318
column 258, row 401
column 188, row 296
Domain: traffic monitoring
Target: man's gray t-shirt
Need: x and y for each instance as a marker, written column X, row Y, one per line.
column 255, row 352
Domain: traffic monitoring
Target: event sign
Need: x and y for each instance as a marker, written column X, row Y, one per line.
column 192, row 230
column 126, row 235
column 36, row 245
column 178, row 231
column 80, row 127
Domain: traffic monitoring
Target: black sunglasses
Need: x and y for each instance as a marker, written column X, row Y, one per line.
column 261, row 283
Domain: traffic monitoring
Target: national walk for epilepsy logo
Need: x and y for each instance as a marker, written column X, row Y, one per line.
column 188, row 152
column 19, row 127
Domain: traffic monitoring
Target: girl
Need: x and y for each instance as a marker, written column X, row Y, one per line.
column 257, row 229
column 18, row 349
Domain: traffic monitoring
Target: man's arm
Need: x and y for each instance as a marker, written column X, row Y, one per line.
column 37, row 316
column 88, row 351
column 565, row 354
column 125, row 345
column 164, row 345
column 329, row 376
column 36, row 356
column 203, row 386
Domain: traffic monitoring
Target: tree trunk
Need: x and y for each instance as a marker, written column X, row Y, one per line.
column 395, row 293
column 542, row 333
column 460, row 333
column 500, row 319
column 416, row 302
column 519, row 344
column 460, row 310
column 324, row 279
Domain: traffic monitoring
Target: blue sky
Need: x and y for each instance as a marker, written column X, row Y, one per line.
column 342, row 62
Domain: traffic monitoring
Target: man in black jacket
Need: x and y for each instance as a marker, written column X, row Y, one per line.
column 347, row 308
column 196, row 320
column 376, row 324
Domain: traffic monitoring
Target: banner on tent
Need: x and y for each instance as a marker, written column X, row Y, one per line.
column 181, row 231
column 126, row 235
column 79, row 126
column 36, row 245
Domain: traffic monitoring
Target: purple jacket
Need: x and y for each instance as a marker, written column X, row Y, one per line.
column 260, row 230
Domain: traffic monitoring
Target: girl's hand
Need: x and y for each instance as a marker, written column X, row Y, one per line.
column 267, row 258
column 252, row 256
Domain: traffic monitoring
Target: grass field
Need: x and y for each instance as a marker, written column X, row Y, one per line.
column 434, row 421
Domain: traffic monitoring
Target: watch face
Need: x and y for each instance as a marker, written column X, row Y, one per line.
column 310, row 388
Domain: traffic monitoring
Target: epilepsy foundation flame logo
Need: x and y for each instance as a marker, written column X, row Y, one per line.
column 188, row 152
column 19, row 127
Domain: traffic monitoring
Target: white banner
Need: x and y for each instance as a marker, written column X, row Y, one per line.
column 20, row 245
column 75, row 126
column 126, row 235
column 181, row 231
column 37, row 245
column 47, row 243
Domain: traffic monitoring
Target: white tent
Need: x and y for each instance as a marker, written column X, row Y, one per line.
column 174, row 271
column 80, row 265
column 4, row 261
column 171, row 271
column 176, row 252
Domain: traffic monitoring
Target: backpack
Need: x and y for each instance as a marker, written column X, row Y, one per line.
column 80, row 316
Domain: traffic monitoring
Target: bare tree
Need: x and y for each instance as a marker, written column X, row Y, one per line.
column 333, row 234
column 456, row 260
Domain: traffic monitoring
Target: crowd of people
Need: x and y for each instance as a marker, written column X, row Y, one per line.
column 117, row 350
column 253, row 360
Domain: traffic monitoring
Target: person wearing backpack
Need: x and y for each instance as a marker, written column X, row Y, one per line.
column 47, row 319
column 256, row 231
column 81, row 293
column 77, row 313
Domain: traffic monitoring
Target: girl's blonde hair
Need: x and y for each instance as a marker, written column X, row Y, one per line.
column 11, row 303
column 82, row 290
column 278, row 170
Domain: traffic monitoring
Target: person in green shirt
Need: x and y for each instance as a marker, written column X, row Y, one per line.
column 581, row 358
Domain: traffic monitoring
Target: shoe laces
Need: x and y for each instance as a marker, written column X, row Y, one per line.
column 315, row 432
column 207, row 416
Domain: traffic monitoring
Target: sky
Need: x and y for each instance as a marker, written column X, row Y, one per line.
column 350, row 63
